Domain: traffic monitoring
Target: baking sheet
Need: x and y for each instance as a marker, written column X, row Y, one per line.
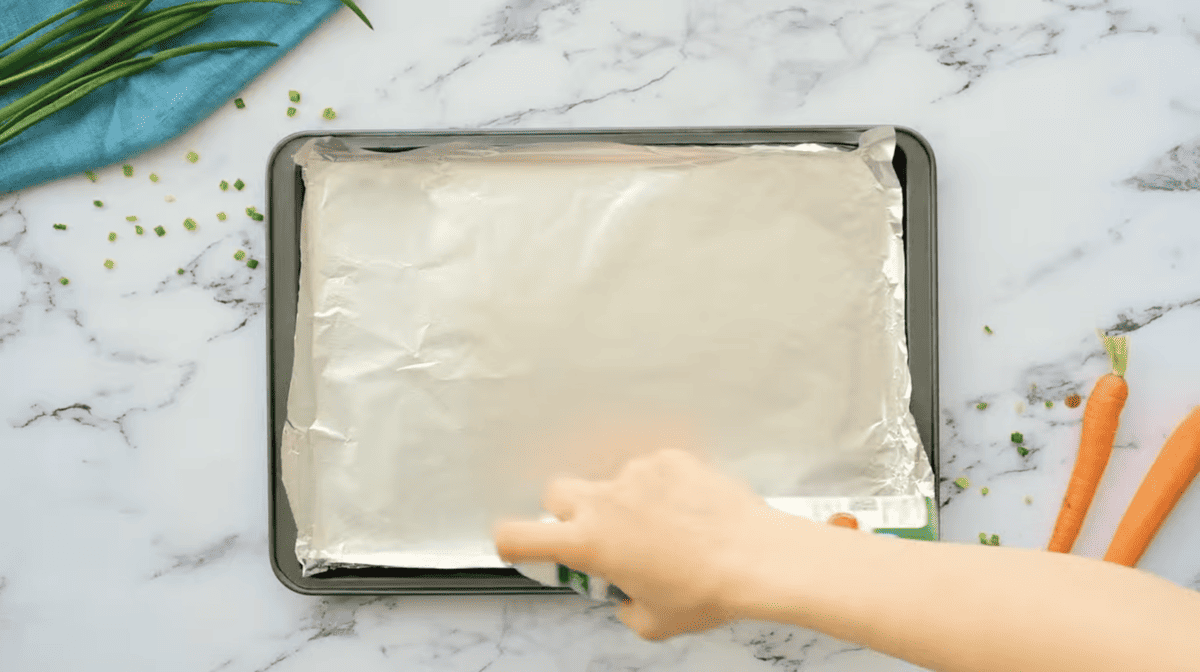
column 751, row 329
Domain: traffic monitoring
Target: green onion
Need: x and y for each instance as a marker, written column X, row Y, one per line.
column 112, row 236
column 109, row 264
column 984, row 491
column 98, row 204
column 180, row 271
column 250, row 211
column 193, row 157
column 981, row 405
column 239, row 103
column 1049, row 404
column 131, row 218
column 1017, row 437
column 239, row 255
column 962, row 482
column 354, row 8
column 294, row 96
column 291, row 111
column 138, row 230
column 224, row 185
column 995, row 540
column 153, row 177
column 239, row 184
column 127, row 169
column 258, row 217
column 64, row 281
column 252, row 263
column 160, row 231
column 221, row 216
column 189, row 224
column 1022, row 451
column 987, row 330
column 329, row 113
column 61, row 227
column 90, row 174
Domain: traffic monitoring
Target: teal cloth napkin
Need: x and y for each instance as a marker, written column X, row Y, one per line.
column 129, row 116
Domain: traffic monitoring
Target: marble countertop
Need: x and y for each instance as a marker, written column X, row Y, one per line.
column 1067, row 135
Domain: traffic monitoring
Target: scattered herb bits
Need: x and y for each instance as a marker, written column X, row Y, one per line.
column 138, row 230
column 112, row 236
column 291, row 111
column 239, row 184
column 294, row 96
column 239, row 255
column 64, row 281
column 984, row 491
column 110, row 264
column 1017, row 437
column 988, row 330
column 1049, row 404
column 1022, row 451
column 154, row 177
column 90, row 174
column 258, row 217
column 329, row 114
column 221, row 216
column 252, row 263
column 993, row 540
column 160, row 231
column 981, row 405
column 127, row 169
column 61, row 227
column 963, row 482
column 98, row 204
column 189, row 224
column 1073, row 401
column 250, row 211
column 239, row 103
column 224, row 185
column 131, row 218
column 192, row 157
column 180, row 271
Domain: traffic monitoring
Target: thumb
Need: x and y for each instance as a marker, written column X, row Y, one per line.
column 638, row 618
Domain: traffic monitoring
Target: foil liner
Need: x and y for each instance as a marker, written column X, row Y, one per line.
column 467, row 312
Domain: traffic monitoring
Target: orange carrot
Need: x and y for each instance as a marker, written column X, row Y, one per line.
column 1100, row 419
column 843, row 520
column 1175, row 467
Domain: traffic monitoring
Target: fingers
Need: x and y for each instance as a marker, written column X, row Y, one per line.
column 564, row 495
column 535, row 541
column 640, row 620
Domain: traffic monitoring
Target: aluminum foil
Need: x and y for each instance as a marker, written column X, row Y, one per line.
column 469, row 314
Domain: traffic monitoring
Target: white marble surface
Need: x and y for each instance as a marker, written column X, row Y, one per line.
column 132, row 409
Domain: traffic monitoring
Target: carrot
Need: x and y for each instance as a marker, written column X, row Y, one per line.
column 1100, row 418
column 843, row 520
column 1175, row 467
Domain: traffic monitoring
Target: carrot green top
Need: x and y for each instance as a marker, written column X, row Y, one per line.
column 1118, row 352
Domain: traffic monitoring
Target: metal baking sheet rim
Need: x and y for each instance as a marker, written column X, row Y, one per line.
column 918, row 174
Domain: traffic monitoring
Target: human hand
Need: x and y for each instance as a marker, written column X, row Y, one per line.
column 670, row 530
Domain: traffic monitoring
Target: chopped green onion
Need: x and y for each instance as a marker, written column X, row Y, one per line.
column 1022, row 451
column 98, row 204
column 252, row 263
column 250, row 211
column 329, row 113
column 1049, row 404
column 994, row 541
column 984, row 491
column 987, row 330
column 180, row 271
column 239, row 103
column 90, row 174
column 109, row 264
column 127, row 169
column 291, row 112
column 221, row 216
column 112, row 236
column 64, row 281
column 294, row 96
column 1017, row 437
column 160, row 231
column 193, row 157
column 139, row 230
column 131, row 218
column 239, row 255
column 258, row 217
column 61, row 227
column 189, row 224
column 239, row 184
column 153, row 177
column 962, row 482
column 981, row 405
column 983, row 538
column 224, row 185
